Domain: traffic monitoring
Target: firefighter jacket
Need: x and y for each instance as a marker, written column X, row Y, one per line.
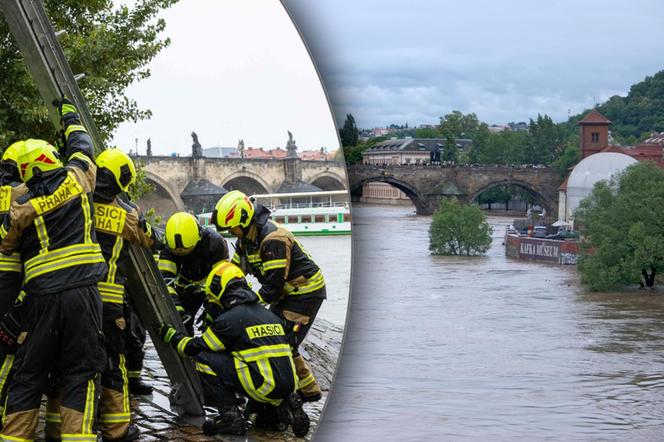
column 258, row 343
column 195, row 266
column 279, row 262
column 118, row 224
column 11, row 269
column 52, row 226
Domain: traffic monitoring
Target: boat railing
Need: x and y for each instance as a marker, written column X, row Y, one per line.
column 308, row 205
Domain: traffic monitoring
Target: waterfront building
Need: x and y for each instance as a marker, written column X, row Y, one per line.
column 408, row 151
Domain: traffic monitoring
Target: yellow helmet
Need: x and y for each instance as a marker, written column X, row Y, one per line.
column 36, row 156
column 218, row 280
column 232, row 210
column 11, row 154
column 182, row 233
column 119, row 165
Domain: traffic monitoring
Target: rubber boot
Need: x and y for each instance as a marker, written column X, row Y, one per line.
column 137, row 386
column 131, row 435
column 228, row 421
column 300, row 421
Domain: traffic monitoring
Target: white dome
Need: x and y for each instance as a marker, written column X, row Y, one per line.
column 590, row 170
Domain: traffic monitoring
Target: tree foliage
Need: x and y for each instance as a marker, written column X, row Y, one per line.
column 349, row 133
column 111, row 44
column 459, row 230
column 621, row 222
column 635, row 116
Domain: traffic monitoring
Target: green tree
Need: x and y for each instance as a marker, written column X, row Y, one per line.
column 544, row 142
column 450, row 153
column 570, row 156
column 459, row 230
column 621, row 222
column 349, row 133
column 111, row 44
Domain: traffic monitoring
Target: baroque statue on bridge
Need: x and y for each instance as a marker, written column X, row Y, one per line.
column 196, row 148
column 291, row 147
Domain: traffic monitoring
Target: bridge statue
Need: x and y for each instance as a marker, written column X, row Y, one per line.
column 240, row 148
column 196, row 148
column 148, row 151
column 291, row 147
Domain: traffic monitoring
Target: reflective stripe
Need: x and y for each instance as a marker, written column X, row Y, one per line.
column 111, row 293
column 13, row 438
column 134, row 373
column 74, row 128
column 166, row 265
column 263, row 352
column 62, row 263
column 88, row 412
column 212, row 341
column 203, row 368
column 115, row 418
column 11, row 263
column 81, row 437
column 4, row 370
column 113, row 261
column 42, row 234
column 53, row 417
column 125, row 386
column 315, row 282
column 236, row 258
column 64, row 252
column 3, row 231
column 183, row 344
column 244, row 376
column 274, row 264
column 268, row 384
column 307, row 380
column 68, row 108
column 87, row 228
column 67, row 191
column 255, row 258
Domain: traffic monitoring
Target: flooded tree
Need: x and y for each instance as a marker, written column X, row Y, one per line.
column 459, row 230
column 621, row 223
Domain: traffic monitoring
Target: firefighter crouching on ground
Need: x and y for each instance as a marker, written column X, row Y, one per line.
column 291, row 282
column 11, row 270
column 52, row 228
column 245, row 350
column 191, row 253
column 118, row 223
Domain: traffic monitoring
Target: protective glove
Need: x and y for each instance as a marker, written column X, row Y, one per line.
column 204, row 320
column 65, row 106
column 9, row 331
column 166, row 332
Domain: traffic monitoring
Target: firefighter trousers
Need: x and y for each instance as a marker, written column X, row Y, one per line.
column 62, row 334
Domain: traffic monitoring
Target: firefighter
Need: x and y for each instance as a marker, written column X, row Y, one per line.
column 52, row 227
column 245, row 350
column 11, row 270
column 291, row 282
column 118, row 223
column 190, row 254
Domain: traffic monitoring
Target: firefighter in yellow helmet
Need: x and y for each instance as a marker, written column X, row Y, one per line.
column 11, row 270
column 244, row 351
column 118, row 223
column 191, row 252
column 291, row 282
column 52, row 227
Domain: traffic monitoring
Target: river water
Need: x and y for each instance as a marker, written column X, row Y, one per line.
column 488, row 348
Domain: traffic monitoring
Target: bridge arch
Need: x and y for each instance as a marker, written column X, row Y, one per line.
column 328, row 180
column 164, row 187
column 407, row 188
column 536, row 194
column 248, row 182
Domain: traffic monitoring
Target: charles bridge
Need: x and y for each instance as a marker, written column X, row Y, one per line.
column 426, row 185
column 175, row 177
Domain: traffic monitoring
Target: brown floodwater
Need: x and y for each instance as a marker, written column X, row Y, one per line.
column 488, row 348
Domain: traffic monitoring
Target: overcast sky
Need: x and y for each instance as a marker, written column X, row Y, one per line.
column 235, row 69
column 391, row 61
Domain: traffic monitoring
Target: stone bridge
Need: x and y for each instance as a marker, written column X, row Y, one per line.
column 426, row 185
column 171, row 175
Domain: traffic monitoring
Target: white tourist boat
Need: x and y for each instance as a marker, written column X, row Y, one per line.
column 305, row 213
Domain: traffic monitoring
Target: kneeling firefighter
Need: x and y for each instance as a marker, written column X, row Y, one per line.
column 244, row 351
column 291, row 282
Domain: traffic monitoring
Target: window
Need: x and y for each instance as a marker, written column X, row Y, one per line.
column 595, row 137
column 320, row 218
